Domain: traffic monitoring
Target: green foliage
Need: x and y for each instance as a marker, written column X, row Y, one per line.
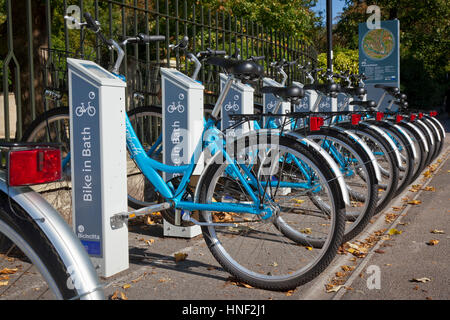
column 293, row 17
column 343, row 60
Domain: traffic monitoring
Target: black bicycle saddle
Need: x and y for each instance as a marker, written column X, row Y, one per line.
column 241, row 69
column 290, row 93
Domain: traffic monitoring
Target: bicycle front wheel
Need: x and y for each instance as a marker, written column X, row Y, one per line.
column 256, row 251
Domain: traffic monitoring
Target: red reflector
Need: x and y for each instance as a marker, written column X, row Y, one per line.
column 433, row 113
column 420, row 115
column 398, row 118
column 315, row 123
column 356, row 118
column 34, row 166
column 379, row 116
column 412, row 117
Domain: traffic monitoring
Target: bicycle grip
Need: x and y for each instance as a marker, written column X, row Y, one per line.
column 218, row 52
column 257, row 58
column 91, row 22
column 146, row 38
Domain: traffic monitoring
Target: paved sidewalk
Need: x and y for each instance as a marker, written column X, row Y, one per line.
column 399, row 258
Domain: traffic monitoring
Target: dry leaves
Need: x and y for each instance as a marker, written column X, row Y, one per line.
column 126, row 286
column 119, row 295
column 306, row 231
column 180, row 256
column 289, row 293
column 235, row 282
column 394, row 231
column 432, row 242
column 8, row 271
column 390, row 217
column 414, row 202
column 435, row 231
column 432, row 189
column 422, row 280
column 334, row 288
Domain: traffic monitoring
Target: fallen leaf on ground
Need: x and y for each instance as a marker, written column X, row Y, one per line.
column 150, row 242
column 139, row 278
column 432, row 189
column 289, row 293
column 432, row 242
column 8, row 271
column 299, row 201
column 306, row 231
column 397, row 208
column 394, row 231
column 334, row 289
column 126, row 286
column 5, row 277
column 180, row 256
column 423, row 280
column 379, row 251
column 435, row 231
column 415, row 202
column 309, row 248
column 390, row 217
column 118, row 295
column 235, row 282
column 347, row 268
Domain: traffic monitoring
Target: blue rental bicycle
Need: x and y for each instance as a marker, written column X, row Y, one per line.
column 245, row 191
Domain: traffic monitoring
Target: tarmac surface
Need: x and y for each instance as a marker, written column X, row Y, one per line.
column 402, row 255
column 394, row 258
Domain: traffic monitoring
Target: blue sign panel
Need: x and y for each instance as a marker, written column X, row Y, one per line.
column 86, row 181
column 379, row 58
column 379, row 52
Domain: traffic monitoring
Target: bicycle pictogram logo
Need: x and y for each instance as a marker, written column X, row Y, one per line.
column 82, row 109
column 229, row 106
column 172, row 107
column 271, row 105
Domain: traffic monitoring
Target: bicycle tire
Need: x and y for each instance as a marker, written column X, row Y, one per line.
column 408, row 158
column 421, row 150
column 363, row 160
column 24, row 233
column 388, row 153
column 262, row 279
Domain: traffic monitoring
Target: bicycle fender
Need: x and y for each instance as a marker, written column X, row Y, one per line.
column 364, row 146
column 420, row 133
column 428, row 131
column 434, row 128
column 329, row 160
column 411, row 143
column 388, row 139
column 436, row 121
column 64, row 240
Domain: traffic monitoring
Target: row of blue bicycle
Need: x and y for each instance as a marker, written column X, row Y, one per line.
column 277, row 198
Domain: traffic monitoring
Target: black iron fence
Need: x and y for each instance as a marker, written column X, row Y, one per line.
column 38, row 40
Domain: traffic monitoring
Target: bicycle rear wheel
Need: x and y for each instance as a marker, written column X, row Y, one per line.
column 30, row 267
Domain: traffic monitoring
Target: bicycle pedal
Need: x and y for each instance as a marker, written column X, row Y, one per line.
column 119, row 219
